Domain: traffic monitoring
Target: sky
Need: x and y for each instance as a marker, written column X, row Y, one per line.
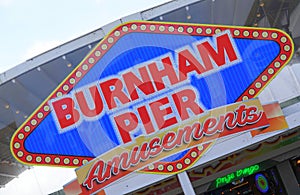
column 31, row 27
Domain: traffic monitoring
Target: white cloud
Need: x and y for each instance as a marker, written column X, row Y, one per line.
column 39, row 181
column 100, row 1
column 4, row 3
column 39, row 47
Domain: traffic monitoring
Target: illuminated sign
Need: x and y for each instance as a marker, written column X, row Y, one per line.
column 132, row 86
column 154, row 92
column 199, row 131
column 262, row 183
column 236, row 175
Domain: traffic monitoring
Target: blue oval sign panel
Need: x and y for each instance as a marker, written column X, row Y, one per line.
column 145, row 78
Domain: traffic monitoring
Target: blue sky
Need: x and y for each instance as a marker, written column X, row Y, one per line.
column 31, row 27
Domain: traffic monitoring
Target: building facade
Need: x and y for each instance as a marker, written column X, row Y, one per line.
column 268, row 164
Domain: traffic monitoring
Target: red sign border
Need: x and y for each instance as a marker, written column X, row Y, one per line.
column 18, row 140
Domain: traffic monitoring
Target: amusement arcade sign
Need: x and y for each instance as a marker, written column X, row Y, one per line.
column 153, row 97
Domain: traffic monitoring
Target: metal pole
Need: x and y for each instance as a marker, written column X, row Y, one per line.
column 288, row 177
column 185, row 183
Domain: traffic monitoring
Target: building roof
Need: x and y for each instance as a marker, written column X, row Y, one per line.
column 24, row 87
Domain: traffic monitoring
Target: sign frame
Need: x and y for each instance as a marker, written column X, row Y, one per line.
column 18, row 148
